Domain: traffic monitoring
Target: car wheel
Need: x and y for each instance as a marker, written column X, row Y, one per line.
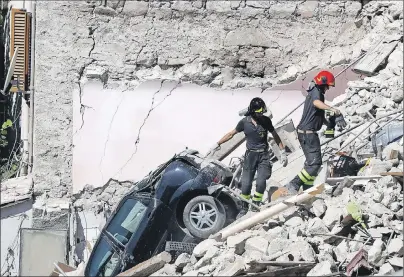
column 204, row 216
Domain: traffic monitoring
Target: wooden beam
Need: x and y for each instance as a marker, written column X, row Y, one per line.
column 148, row 267
column 394, row 174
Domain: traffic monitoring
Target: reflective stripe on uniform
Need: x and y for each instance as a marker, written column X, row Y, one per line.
column 329, row 132
column 245, row 196
column 258, row 196
column 306, row 178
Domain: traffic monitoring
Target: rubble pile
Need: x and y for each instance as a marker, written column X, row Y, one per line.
column 322, row 231
column 305, row 234
column 102, row 199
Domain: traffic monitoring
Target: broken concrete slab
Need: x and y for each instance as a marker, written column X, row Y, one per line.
column 203, row 247
column 378, row 209
column 341, row 251
column 206, row 259
column 277, row 232
column 321, row 269
column 301, row 250
column 15, row 190
column 374, row 59
column 332, row 216
column 396, row 247
column 238, row 241
column 294, row 222
column 182, row 260
column 257, row 244
column 277, row 246
column 319, row 207
column 233, row 269
column 375, row 254
column 316, row 226
column 386, row 269
column 396, row 261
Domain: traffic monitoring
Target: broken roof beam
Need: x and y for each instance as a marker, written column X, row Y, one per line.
column 377, row 56
column 148, row 267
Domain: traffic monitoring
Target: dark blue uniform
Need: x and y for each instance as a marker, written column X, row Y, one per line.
column 256, row 156
column 311, row 122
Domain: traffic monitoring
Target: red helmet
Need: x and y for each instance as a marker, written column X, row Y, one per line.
column 325, row 78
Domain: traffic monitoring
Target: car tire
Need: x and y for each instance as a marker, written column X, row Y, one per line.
column 204, row 216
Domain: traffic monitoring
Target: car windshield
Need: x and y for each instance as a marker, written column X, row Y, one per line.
column 125, row 222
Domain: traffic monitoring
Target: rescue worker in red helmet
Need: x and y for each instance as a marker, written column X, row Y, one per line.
column 311, row 122
column 256, row 127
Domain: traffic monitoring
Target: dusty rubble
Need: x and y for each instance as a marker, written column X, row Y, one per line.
column 302, row 235
column 306, row 233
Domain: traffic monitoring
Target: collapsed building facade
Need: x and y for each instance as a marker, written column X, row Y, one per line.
column 111, row 77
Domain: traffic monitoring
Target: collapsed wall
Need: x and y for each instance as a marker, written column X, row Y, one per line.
column 226, row 44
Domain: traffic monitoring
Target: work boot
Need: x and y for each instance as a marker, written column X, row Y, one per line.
column 244, row 210
column 254, row 209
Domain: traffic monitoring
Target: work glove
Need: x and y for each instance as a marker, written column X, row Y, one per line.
column 215, row 148
column 354, row 210
column 284, row 158
column 340, row 121
column 335, row 111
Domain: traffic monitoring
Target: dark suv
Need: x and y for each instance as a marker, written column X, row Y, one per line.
column 178, row 202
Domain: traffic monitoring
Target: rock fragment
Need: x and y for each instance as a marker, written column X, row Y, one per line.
column 257, row 244
column 321, row 269
column 396, row 247
column 386, row 269
column 238, row 242
column 375, row 253
column 201, row 249
column 319, row 207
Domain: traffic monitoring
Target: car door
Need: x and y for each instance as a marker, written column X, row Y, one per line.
column 153, row 237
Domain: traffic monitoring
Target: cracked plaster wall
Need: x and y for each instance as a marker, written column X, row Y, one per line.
column 128, row 132
column 227, row 44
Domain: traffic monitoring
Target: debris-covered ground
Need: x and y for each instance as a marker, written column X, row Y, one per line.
column 320, row 234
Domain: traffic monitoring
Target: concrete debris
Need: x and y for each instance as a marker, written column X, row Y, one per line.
column 238, row 242
column 202, row 248
column 257, row 244
column 182, row 260
column 376, row 256
column 319, row 207
column 332, row 217
column 16, row 189
column 396, row 261
column 396, row 247
column 386, row 269
column 321, row 269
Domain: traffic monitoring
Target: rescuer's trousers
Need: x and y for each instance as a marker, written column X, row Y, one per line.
column 310, row 144
column 255, row 162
